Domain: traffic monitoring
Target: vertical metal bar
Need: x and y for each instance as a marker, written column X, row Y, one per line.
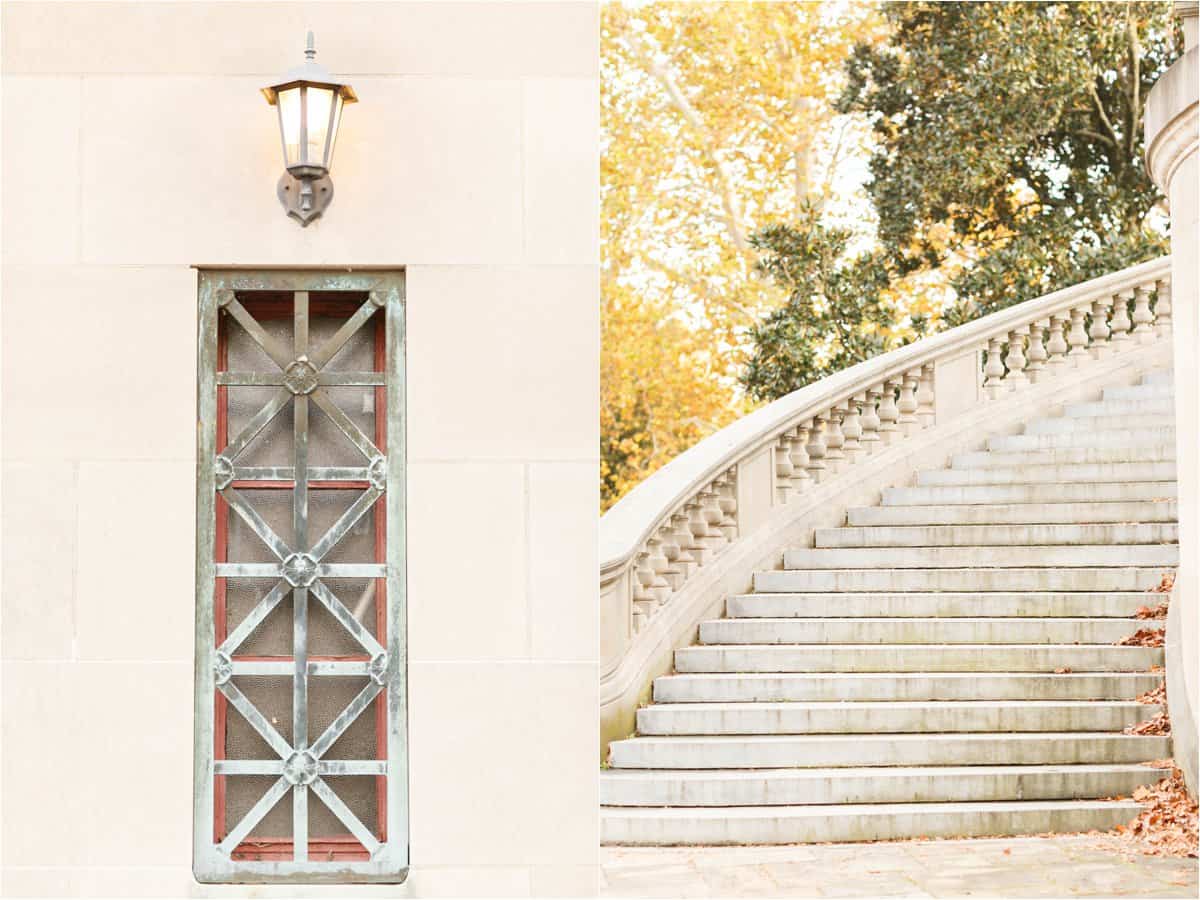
column 381, row 620
column 205, row 637
column 335, row 100
column 397, row 694
column 220, row 618
column 300, row 594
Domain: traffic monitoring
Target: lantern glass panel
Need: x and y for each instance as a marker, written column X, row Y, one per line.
column 320, row 105
column 289, row 125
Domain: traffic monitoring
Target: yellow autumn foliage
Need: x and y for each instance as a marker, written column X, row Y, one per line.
column 717, row 119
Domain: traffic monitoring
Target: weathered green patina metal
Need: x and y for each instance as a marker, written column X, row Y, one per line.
column 300, row 570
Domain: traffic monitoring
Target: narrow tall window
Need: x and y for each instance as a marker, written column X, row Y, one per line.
column 301, row 746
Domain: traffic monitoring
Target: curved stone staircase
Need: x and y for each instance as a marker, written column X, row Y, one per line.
column 944, row 664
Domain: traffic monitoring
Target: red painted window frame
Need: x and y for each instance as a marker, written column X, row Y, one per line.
column 265, row 307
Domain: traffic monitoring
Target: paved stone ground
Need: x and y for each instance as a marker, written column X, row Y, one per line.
column 1068, row 866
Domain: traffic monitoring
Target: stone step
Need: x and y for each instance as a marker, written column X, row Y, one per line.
column 1139, row 391
column 897, row 784
column 1142, row 437
column 942, row 717
column 1087, row 472
column 1061, row 456
column 1072, row 424
column 1136, row 406
column 995, row 535
column 1161, row 376
column 959, row 579
column 1073, row 556
column 743, row 687
column 816, row 750
column 1039, row 494
column 917, row 631
column 869, row 822
column 1114, row 604
column 1015, row 513
column 915, row 658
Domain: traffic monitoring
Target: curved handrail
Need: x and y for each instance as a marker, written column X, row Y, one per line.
column 626, row 527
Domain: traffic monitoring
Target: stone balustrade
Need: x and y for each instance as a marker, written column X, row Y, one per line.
column 663, row 536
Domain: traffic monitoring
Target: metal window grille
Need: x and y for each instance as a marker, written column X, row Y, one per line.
column 301, row 741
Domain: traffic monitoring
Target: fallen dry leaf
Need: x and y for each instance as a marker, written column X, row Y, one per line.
column 1144, row 637
column 1155, row 695
column 1164, row 584
column 1160, row 724
column 1167, row 826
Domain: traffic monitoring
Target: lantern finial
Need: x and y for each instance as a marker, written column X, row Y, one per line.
column 310, row 48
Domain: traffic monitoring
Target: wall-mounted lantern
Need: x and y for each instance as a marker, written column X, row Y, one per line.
column 310, row 105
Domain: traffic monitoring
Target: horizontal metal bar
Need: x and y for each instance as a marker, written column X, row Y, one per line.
column 248, row 767
column 352, row 767
column 257, row 379
column 324, row 570
column 329, row 667
column 287, row 667
column 288, row 473
column 352, row 570
column 351, row 379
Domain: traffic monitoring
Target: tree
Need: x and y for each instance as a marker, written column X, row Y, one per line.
column 1009, row 152
column 717, row 118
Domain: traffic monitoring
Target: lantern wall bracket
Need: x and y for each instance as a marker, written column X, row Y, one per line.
column 304, row 198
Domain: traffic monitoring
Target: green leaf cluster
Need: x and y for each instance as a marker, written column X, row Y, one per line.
column 1009, row 155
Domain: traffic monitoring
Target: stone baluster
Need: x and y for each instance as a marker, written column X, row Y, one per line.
column 783, row 469
column 816, row 451
column 907, row 404
column 1099, row 332
column 1142, row 316
column 889, row 413
column 871, row 438
column 698, row 526
column 801, row 479
column 1056, row 345
column 1077, row 337
column 835, row 440
column 1120, row 323
column 994, row 368
column 684, row 540
column 1015, row 360
column 710, row 504
column 727, row 501
column 660, row 588
column 674, row 573
column 1037, row 351
column 1162, row 309
column 643, row 580
column 926, row 406
column 851, row 430
column 637, row 618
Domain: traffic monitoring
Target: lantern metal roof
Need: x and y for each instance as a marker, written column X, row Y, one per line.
column 309, row 72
